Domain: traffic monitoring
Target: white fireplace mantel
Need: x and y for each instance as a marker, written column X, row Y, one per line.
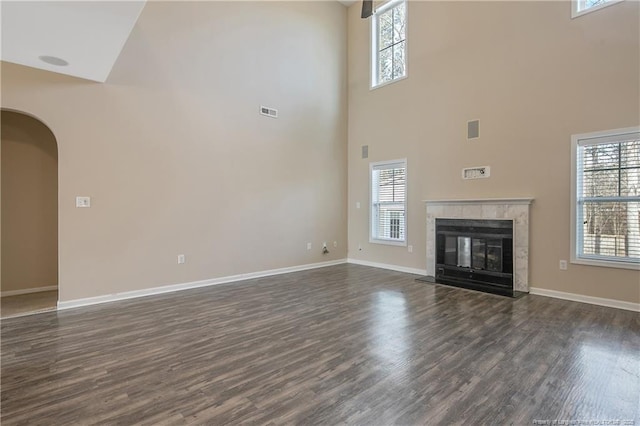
column 516, row 209
column 483, row 201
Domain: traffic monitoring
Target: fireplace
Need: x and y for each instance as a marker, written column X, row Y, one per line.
column 475, row 254
column 513, row 212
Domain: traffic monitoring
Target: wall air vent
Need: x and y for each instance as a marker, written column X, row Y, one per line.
column 269, row 112
column 476, row 172
column 473, row 129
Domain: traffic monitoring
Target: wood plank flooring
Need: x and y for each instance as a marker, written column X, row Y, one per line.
column 345, row 344
column 26, row 304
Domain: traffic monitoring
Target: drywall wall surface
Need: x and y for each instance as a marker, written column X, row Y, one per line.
column 177, row 159
column 533, row 77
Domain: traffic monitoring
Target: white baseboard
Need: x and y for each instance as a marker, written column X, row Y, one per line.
column 387, row 266
column 27, row 291
column 194, row 284
column 611, row 303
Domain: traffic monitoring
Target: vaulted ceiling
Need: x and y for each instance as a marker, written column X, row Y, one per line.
column 77, row 38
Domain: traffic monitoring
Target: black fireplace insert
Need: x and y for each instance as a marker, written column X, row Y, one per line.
column 475, row 254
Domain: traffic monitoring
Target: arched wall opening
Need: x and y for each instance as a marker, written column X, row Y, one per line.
column 29, row 209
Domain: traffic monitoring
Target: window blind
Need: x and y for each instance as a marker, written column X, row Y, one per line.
column 608, row 197
column 388, row 187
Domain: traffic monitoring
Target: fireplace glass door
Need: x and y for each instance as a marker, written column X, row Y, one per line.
column 478, row 248
column 475, row 252
column 480, row 245
column 464, row 252
column 494, row 255
column 451, row 251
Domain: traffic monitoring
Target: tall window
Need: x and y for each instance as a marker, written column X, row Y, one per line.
column 606, row 206
column 389, row 202
column 580, row 7
column 389, row 44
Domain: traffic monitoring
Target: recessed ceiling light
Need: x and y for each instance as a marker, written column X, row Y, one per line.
column 52, row 60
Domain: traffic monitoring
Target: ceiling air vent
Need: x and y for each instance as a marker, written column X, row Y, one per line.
column 476, row 172
column 269, row 112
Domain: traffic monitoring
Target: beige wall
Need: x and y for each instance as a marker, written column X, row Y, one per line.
column 177, row 159
column 533, row 77
column 29, row 204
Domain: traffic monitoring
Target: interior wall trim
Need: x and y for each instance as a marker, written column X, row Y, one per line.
column 610, row 303
column 27, row 291
column 77, row 303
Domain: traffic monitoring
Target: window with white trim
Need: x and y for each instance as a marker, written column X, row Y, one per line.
column 389, row 202
column 580, row 7
column 606, row 202
column 389, row 43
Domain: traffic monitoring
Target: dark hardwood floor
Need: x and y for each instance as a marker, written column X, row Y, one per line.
column 344, row 344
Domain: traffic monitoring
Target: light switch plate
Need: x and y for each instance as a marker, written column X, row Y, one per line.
column 83, row 201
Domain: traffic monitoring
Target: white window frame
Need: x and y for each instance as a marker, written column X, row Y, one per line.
column 577, row 7
column 374, row 42
column 389, row 164
column 576, row 224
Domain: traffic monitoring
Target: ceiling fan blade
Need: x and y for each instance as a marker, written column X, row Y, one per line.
column 367, row 8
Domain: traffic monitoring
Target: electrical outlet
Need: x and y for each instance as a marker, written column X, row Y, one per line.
column 563, row 265
column 335, row 244
column 359, row 247
column 357, row 204
column 181, row 259
column 410, row 248
column 324, row 244
column 308, row 246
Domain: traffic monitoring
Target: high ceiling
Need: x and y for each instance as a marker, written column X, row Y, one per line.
column 78, row 38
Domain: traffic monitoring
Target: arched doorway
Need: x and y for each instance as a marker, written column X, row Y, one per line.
column 29, row 215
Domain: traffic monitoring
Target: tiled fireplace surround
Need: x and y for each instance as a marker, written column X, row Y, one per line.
column 516, row 209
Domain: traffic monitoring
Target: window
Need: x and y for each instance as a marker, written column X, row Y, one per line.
column 606, row 198
column 580, row 7
column 389, row 44
column 389, row 202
